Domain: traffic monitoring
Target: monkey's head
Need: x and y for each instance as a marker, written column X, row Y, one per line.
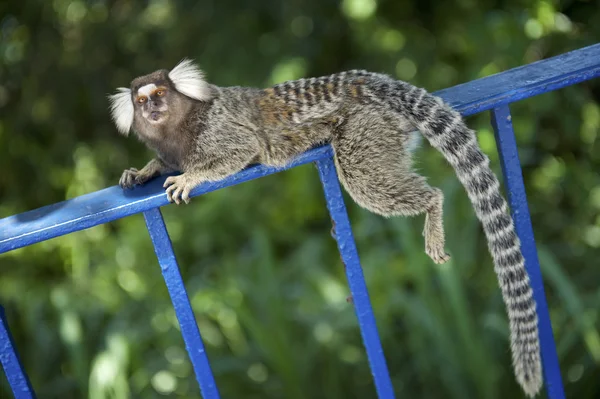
column 158, row 98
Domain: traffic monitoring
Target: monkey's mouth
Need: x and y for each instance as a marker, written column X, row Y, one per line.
column 155, row 116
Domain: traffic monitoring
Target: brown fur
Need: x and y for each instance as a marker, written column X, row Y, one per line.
column 368, row 119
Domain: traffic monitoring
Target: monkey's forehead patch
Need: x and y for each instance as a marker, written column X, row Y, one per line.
column 146, row 90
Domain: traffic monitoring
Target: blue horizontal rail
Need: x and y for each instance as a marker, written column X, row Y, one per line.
column 113, row 203
column 491, row 93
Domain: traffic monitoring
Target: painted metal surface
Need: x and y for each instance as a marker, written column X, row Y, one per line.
column 342, row 232
column 181, row 303
column 15, row 374
column 525, row 81
column 511, row 168
column 113, row 203
column 103, row 206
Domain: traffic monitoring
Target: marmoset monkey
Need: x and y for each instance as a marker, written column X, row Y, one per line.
column 210, row 132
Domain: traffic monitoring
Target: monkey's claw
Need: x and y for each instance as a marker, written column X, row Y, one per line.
column 132, row 176
column 178, row 188
column 437, row 254
column 128, row 178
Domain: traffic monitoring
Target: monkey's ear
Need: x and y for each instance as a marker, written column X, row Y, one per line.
column 189, row 80
column 121, row 109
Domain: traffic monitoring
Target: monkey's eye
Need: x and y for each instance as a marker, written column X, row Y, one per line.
column 160, row 93
column 142, row 100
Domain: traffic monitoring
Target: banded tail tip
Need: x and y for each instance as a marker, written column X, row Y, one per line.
column 531, row 381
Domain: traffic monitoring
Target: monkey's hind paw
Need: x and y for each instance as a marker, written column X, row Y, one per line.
column 437, row 254
column 178, row 188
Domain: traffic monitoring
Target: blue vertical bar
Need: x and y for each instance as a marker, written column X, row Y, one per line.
column 181, row 303
column 511, row 167
column 360, row 296
column 15, row 374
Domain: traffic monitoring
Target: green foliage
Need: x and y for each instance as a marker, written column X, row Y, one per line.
column 89, row 311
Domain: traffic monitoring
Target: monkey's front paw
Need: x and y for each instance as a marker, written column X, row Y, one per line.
column 132, row 176
column 178, row 188
column 128, row 178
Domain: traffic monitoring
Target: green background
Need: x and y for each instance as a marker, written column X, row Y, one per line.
column 89, row 311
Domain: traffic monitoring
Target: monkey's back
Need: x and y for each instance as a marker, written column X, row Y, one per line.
column 302, row 100
column 298, row 114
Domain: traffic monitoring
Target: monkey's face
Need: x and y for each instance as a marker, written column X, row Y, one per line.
column 160, row 97
column 152, row 102
column 157, row 102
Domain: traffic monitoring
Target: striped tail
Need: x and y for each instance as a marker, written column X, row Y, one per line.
column 445, row 130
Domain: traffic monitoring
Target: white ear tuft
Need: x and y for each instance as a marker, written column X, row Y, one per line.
column 189, row 80
column 121, row 109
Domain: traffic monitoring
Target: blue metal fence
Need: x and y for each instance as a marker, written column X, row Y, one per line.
column 491, row 93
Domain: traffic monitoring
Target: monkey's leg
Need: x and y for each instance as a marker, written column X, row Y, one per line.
column 132, row 176
column 374, row 166
column 410, row 195
column 407, row 195
column 179, row 187
column 434, row 228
